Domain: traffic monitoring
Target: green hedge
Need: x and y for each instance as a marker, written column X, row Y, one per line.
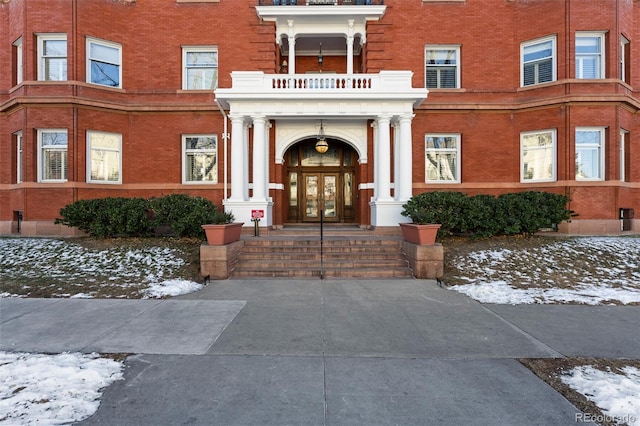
column 138, row 217
column 485, row 215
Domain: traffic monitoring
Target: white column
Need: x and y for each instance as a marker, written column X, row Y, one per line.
column 245, row 161
column 238, row 182
column 405, row 156
column 292, row 47
column 350, row 54
column 383, row 160
column 259, row 163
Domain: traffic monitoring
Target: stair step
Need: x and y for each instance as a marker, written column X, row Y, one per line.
column 327, row 272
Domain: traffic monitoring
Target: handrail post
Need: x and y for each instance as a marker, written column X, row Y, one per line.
column 321, row 243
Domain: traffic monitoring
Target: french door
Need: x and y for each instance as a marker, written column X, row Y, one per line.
column 320, row 196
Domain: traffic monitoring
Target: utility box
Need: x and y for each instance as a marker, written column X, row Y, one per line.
column 626, row 216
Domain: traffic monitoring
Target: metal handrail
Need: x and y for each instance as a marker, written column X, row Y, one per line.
column 321, row 244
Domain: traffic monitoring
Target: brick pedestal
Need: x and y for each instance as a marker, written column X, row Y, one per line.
column 218, row 262
column 426, row 261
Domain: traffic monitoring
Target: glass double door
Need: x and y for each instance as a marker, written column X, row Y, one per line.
column 320, row 196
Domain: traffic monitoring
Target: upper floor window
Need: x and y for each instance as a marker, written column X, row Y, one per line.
column 52, row 57
column 200, row 159
column 589, row 153
column 538, row 58
column 442, row 158
column 18, row 69
column 538, row 156
column 624, row 59
column 624, row 155
column 104, row 63
column 52, row 155
column 104, row 159
column 590, row 55
column 200, row 68
column 442, row 68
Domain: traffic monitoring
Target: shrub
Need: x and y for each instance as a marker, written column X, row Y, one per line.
column 485, row 215
column 108, row 217
column 184, row 214
column 138, row 217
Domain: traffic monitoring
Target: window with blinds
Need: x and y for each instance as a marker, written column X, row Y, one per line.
column 538, row 61
column 442, row 67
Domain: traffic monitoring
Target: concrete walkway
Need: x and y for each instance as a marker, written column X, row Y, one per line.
column 323, row 352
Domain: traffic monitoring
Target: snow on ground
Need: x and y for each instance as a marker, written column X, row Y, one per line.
column 148, row 270
column 617, row 395
column 53, row 389
column 587, row 270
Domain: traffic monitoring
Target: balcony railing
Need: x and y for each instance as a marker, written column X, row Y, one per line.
column 320, row 2
column 335, row 81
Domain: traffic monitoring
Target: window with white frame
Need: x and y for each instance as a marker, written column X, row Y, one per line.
column 52, row 57
column 538, row 59
column 590, row 55
column 200, row 68
column 624, row 164
column 624, row 59
column 442, row 153
column 589, row 153
column 19, row 67
column 538, row 156
column 18, row 139
column 200, row 158
column 104, row 157
column 442, row 67
column 104, row 61
column 52, row 155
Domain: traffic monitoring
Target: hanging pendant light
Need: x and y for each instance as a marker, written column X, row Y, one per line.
column 321, row 143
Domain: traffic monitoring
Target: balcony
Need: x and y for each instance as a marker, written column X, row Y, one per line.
column 336, row 92
column 320, row 2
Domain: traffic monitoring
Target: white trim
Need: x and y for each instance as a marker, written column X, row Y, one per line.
column 457, row 151
column 65, row 161
column 602, row 55
column 19, row 61
column 623, row 137
column 554, row 58
column 554, row 156
column 185, row 77
column 19, row 149
column 109, row 44
column 89, row 160
column 208, row 151
column 601, row 150
column 624, row 42
column 458, row 63
column 42, row 38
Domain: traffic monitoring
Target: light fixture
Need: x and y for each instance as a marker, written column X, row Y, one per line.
column 283, row 66
column 320, row 59
column 321, row 144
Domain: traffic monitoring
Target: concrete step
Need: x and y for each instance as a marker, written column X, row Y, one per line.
column 326, row 272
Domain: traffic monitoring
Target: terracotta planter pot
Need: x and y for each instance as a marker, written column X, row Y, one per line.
column 420, row 234
column 219, row 235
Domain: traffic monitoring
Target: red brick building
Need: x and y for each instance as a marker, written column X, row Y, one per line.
column 227, row 99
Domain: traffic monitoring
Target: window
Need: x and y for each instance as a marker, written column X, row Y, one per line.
column 442, row 158
column 52, row 57
column 624, row 59
column 538, row 59
column 18, row 139
column 624, row 153
column 103, row 63
column 18, row 70
column 200, row 68
column 442, row 70
column 538, row 156
column 200, row 159
column 104, row 157
column 589, row 55
column 589, row 157
column 52, row 156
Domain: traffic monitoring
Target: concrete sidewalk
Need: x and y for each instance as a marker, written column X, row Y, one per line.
column 272, row 352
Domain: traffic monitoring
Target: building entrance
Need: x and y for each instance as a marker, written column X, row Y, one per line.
column 320, row 183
